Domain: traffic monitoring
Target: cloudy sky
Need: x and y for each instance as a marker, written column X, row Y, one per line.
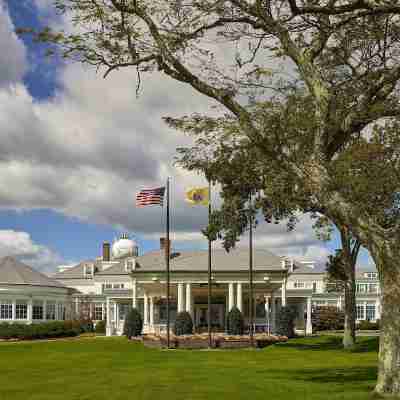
column 75, row 149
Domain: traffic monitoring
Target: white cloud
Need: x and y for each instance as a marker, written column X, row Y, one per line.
column 20, row 245
column 13, row 59
column 86, row 151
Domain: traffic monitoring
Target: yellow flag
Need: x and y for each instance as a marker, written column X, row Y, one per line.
column 198, row 196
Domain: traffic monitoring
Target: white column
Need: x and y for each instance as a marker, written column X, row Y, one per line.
column 273, row 313
column 239, row 297
column 189, row 306
column 76, row 308
column 377, row 309
column 151, row 312
column 116, row 314
column 29, row 313
column 134, row 293
column 231, row 296
column 365, row 309
column 108, row 322
column 181, row 299
column 44, row 309
column 283, row 292
column 146, row 310
column 14, row 310
column 308, row 322
column 103, row 312
column 267, row 316
column 339, row 302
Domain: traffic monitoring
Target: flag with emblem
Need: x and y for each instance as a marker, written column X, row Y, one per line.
column 198, row 196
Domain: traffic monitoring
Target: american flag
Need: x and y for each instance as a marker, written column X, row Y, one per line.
column 148, row 197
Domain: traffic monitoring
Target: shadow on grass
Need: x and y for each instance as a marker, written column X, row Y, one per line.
column 333, row 343
column 336, row 375
column 366, row 345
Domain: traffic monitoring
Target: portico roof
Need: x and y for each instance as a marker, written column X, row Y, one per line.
column 236, row 260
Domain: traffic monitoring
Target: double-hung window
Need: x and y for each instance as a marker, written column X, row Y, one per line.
column 5, row 309
column 51, row 310
column 98, row 312
column 21, row 309
column 360, row 311
column 370, row 311
column 37, row 310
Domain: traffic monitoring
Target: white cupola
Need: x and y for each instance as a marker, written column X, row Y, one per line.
column 124, row 247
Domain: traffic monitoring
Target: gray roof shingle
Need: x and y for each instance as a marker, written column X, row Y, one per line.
column 236, row 260
column 14, row 272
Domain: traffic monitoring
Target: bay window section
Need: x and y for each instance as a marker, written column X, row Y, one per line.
column 6, row 309
column 60, row 311
column 37, row 310
column 51, row 311
column 21, row 309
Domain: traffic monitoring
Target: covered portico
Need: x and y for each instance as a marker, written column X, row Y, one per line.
column 189, row 289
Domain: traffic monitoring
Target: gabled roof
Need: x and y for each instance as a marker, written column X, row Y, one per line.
column 14, row 272
column 75, row 272
column 236, row 260
column 192, row 261
column 300, row 268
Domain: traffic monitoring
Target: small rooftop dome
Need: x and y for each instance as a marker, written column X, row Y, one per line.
column 124, row 247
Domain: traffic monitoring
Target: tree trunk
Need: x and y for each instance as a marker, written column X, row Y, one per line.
column 349, row 334
column 389, row 344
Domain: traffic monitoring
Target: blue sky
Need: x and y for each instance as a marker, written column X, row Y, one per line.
column 78, row 147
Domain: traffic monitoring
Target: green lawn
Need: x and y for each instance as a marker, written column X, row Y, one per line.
column 115, row 369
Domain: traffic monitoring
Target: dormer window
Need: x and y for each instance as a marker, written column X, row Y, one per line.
column 371, row 275
column 130, row 265
column 88, row 271
column 288, row 264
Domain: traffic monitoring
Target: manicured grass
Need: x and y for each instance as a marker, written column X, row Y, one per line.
column 115, row 369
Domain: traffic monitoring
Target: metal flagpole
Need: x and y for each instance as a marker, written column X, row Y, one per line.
column 167, row 258
column 209, row 268
column 251, row 295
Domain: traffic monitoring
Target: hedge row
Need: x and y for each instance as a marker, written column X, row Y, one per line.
column 368, row 325
column 44, row 330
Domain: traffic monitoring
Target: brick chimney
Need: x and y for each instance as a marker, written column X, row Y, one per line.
column 163, row 243
column 106, row 251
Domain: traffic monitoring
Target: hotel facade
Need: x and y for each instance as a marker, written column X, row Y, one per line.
column 107, row 287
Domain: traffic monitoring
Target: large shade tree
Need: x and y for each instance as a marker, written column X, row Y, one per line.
column 248, row 56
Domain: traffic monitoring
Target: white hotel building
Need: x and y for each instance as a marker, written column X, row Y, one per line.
column 107, row 287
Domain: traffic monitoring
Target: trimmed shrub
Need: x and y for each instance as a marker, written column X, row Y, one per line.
column 133, row 324
column 100, row 327
column 45, row 330
column 326, row 318
column 235, row 322
column 368, row 325
column 183, row 324
column 285, row 321
column 86, row 325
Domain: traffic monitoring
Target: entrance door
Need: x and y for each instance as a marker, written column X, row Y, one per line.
column 217, row 315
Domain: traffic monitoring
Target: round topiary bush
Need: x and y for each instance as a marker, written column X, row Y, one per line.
column 183, row 324
column 326, row 318
column 235, row 322
column 285, row 321
column 133, row 324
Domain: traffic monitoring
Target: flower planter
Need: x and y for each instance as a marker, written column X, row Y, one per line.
column 192, row 343
column 154, row 343
column 261, row 343
column 234, row 343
